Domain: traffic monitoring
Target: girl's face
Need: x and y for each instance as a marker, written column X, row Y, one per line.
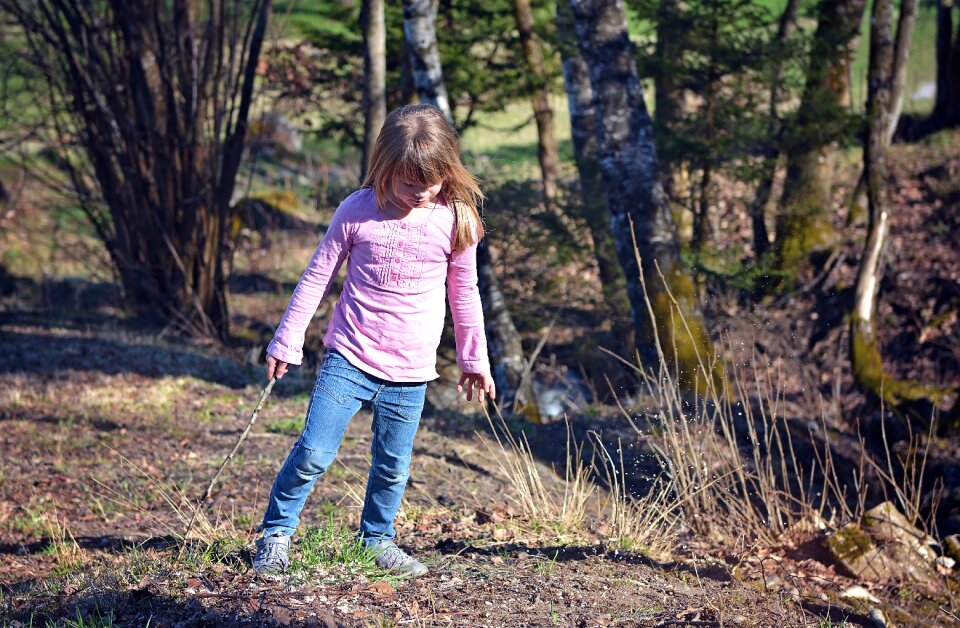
column 412, row 195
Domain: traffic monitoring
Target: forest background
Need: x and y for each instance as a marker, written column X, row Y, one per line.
column 720, row 282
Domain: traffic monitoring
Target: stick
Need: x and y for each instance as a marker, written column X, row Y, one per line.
column 206, row 494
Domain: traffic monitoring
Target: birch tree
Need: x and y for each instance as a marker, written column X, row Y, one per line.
column 576, row 79
column 636, row 200
column 504, row 346
column 419, row 33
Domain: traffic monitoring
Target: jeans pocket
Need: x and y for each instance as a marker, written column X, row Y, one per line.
column 338, row 379
column 410, row 401
column 330, row 391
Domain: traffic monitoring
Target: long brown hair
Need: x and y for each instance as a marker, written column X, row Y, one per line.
column 418, row 145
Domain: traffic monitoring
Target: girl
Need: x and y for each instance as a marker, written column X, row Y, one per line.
column 411, row 228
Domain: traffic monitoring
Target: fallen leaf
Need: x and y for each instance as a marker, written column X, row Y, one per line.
column 382, row 588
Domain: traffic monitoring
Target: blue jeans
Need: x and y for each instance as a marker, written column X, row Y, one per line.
column 340, row 391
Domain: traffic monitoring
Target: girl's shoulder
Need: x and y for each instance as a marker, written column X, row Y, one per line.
column 359, row 203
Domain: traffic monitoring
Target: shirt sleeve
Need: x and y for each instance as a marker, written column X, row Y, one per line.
column 465, row 305
column 314, row 284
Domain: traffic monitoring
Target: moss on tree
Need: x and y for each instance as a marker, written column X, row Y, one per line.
column 869, row 373
column 682, row 333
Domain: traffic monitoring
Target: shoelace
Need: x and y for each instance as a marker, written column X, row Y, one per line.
column 274, row 555
column 393, row 557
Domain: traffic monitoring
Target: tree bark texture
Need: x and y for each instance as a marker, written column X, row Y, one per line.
column 803, row 223
column 866, row 359
column 901, row 54
column 634, row 193
column 771, row 152
column 503, row 339
column 547, row 152
column 593, row 206
column 374, row 30
column 158, row 97
column 419, row 32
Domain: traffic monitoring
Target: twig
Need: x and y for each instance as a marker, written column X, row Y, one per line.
column 525, row 378
column 206, row 494
column 949, row 614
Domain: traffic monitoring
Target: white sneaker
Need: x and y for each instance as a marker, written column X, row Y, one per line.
column 272, row 555
column 390, row 557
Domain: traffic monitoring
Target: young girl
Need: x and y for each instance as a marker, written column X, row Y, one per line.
column 411, row 229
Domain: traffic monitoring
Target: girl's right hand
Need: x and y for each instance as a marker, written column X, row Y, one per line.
column 275, row 368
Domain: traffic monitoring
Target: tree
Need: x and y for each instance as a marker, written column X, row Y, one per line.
column 866, row 359
column 593, row 207
column 374, row 29
column 504, row 347
column 713, row 64
column 483, row 69
column 636, row 200
column 901, row 53
column 668, row 94
column 771, row 149
column 158, row 96
column 419, row 33
column 803, row 222
column 547, row 152
column 946, row 110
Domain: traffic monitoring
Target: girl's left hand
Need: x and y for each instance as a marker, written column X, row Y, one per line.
column 482, row 381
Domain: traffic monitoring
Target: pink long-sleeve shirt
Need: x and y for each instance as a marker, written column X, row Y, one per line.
column 389, row 317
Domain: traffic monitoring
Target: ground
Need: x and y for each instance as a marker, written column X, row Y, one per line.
column 110, row 430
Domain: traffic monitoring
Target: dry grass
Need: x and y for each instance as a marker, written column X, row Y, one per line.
column 739, row 470
column 561, row 509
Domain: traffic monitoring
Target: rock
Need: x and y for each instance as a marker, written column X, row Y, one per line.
column 856, row 553
column 904, row 547
column 885, row 523
column 945, row 561
column 857, row 592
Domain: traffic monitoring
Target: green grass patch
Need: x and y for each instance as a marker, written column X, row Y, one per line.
column 284, row 426
column 330, row 553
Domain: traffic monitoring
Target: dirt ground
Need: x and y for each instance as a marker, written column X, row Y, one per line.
column 82, row 448
column 110, row 430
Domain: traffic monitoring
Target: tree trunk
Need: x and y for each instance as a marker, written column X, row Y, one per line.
column 803, row 224
column 636, row 200
column 419, row 33
column 866, row 359
column 374, row 30
column 158, row 99
column 593, row 206
column 701, row 225
column 503, row 340
column 547, row 152
column 771, row 152
column 506, row 352
column 944, row 46
column 901, row 54
column 668, row 94
column 946, row 110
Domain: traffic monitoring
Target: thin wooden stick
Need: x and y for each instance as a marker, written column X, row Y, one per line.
column 206, row 494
